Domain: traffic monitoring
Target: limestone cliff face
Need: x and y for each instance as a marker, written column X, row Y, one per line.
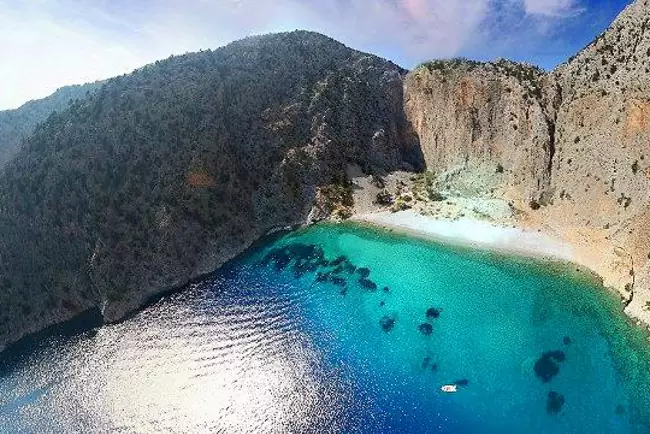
column 601, row 170
column 575, row 141
column 603, row 124
column 469, row 114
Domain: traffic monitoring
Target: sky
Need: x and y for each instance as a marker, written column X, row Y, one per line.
column 46, row 44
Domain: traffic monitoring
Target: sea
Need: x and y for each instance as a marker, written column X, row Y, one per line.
column 342, row 328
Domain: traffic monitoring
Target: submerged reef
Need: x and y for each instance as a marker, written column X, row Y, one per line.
column 309, row 260
column 426, row 329
column 433, row 313
column 554, row 402
column 363, row 272
column 548, row 365
column 387, row 323
column 368, row 284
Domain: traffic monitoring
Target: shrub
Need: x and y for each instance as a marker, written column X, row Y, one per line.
column 436, row 196
column 400, row 205
column 384, row 198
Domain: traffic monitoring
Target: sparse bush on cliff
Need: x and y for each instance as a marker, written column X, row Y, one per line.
column 449, row 65
column 534, row 205
column 339, row 198
column 436, row 196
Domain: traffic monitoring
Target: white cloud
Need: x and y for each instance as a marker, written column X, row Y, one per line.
column 552, row 8
column 45, row 44
column 40, row 54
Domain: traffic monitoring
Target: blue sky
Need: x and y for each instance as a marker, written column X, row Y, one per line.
column 46, row 44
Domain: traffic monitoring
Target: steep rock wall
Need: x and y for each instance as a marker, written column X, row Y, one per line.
column 468, row 114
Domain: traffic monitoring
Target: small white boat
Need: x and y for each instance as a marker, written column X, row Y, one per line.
column 449, row 388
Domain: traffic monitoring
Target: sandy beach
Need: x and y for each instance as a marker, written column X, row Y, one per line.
column 469, row 232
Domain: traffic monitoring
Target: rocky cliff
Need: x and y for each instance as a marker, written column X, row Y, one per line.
column 483, row 116
column 601, row 179
column 162, row 175
column 573, row 145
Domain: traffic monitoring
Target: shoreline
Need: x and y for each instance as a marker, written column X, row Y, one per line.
column 475, row 234
column 463, row 232
column 488, row 236
column 494, row 222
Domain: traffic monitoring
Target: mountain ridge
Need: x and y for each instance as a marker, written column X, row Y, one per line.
column 17, row 124
column 164, row 174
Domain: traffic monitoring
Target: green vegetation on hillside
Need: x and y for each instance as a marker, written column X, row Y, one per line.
column 17, row 125
column 162, row 174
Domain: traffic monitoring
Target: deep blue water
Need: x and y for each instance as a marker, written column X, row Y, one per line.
column 339, row 328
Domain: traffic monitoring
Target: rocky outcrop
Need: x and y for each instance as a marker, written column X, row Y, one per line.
column 163, row 175
column 573, row 144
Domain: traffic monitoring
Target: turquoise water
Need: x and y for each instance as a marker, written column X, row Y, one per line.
column 339, row 328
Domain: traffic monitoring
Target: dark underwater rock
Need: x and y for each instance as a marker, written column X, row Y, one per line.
column 338, row 261
column 433, row 313
column 386, row 289
column 279, row 257
column 387, row 323
column 322, row 277
column 566, row 340
column 548, row 365
column 306, row 257
column 368, row 284
column 426, row 329
column 338, row 281
column 554, row 403
column 363, row 272
column 462, row 382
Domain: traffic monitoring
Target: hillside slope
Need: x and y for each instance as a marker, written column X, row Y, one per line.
column 164, row 174
column 16, row 125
